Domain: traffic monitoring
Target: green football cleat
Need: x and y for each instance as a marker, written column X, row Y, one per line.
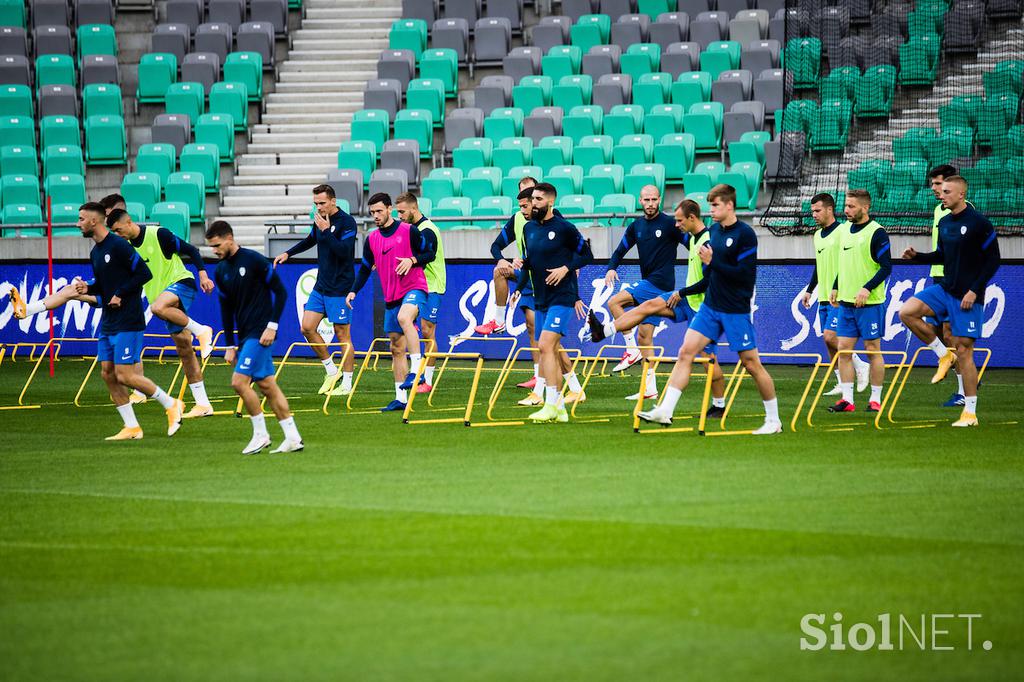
column 548, row 413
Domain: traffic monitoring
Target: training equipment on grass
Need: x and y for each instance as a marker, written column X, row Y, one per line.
column 847, row 426
column 740, row 372
column 927, row 423
column 593, row 361
column 467, row 417
column 343, row 348
column 705, row 400
column 572, row 353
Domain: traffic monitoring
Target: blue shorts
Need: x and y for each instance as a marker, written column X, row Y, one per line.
column 430, row 307
column 554, row 319
column 525, row 295
column 864, row 323
column 333, row 308
column 828, row 316
column 644, row 291
column 684, row 313
column 941, row 319
column 186, row 294
column 254, row 360
column 122, row 348
column 738, row 328
column 966, row 323
column 416, row 297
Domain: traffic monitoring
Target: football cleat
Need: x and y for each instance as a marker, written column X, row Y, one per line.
column 548, row 413
column 841, row 406
column 874, row 406
column 863, row 378
column 409, row 378
column 531, row 384
column 629, row 358
column 531, row 400
column 205, row 338
column 715, row 412
column 198, row 411
column 342, row 389
column 488, row 328
column 258, row 443
column 288, row 446
column 966, row 419
column 424, row 388
column 636, row 396
column 137, row 398
column 127, row 433
column 955, row 400
column 947, row 361
column 769, row 427
column 836, row 390
column 561, row 415
column 394, row 406
column 19, row 308
column 571, row 397
column 658, row 415
column 329, row 382
column 174, row 413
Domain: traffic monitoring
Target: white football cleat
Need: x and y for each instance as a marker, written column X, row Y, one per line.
column 836, row 390
column 288, row 446
column 658, row 415
column 768, row 428
column 863, row 378
column 205, row 338
column 257, row 444
column 629, row 358
column 636, row 396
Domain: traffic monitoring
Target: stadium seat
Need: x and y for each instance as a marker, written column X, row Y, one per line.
column 16, row 100
column 218, row 130
column 399, row 65
column 19, row 160
column 52, row 40
column 481, row 182
column 65, row 188
column 171, row 38
column 54, row 130
column 704, row 122
column 427, row 93
column 461, row 124
column 106, row 141
column 496, row 205
column 746, row 178
column 582, row 121
column 566, row 179
column 19, row 189
column 14, row 13
column 675, row 152
column 189, row 189
column 403, row 154
column 732, row 87
column 691, row 88
column 371, row 125
column 442, row 65
column 63, row 159
column 874, row 92
column 360, row 155
column 142, row 188
column 703, row 177
column 201, row 67
column 512, row 152
column 640, row 59
column 65, row 213
column 348, row 185
column 503, row 123
column 532, row 92
column 561, row 61
column 156, row 159
column 173, row 215
column 100, row 68
column 442, row 182
column 572, row 91
column 590, row 30
column 472, row 152
column 720, row 56
column 216, row 37
column 102, row 99
column 408, row 34
column 18, row 130
column 830, row 129
column 803, row 57
column 680, row 58
column 616, row 203
column 643, row 174
column 492, row 39
column 96, row 39
column 203, row 160
column 450, row 206
column 553, row 150
column 15, row 70
column 551, row 31
column 188, row 99
column 604, row 180
column 633, row 149
column 651, row 90
column 22, row 214
column 601, row 60
column 494, row 92
column 510, row 183
column 543, row 122
column 232, row 99
column 189, row 12
column 172, row 129
column 157, row 71
column 592, row 150
column 521, row 62
column 663, row 119
column 416, row 124
column 258, row 37
column 575, row 204
column 612, row 89
column 55, row 69
column 624, row 119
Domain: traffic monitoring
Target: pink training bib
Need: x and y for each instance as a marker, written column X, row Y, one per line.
column 386, row 252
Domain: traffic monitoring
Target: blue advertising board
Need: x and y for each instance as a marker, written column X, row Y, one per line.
column 782, row 323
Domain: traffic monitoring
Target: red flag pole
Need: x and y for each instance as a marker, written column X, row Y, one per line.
column 49, row 260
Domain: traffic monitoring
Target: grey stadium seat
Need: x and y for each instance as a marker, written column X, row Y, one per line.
column 274, row 12
column 201, row 67
column 520, row 62
column 13, row 40
column 492, row 39
column 451, row 33
column 629, row 29
column 14, row 70
column 388, row 180
column 543, row 122
column 834, row 26
column 760, row 55
column 769, row 87
column 510, row 9
column 611, row 90
column 601, row 60
column 783, row 158
column 188, row 12
column 403, row 155
column 732, row 87
column 574, row 9
column 50, row 13
column 171, row 38
column 462, row 9
column 680, row 58
column 383, row 93
column 172, row 129
column 963, row 27
column 742, row 118
column 58, row 100
column 230, row 12
column 463, row 123
column 694, row 7
column 732, row 7
column 348, row 185
column 420, row 9
column 671, row 27
column 257, row 36
column 94, row 12
column 614, row 8
column 494, row 92
column 52, row 40
column 748, row 26
column 551, row 31
column 399, row 65
column 770, row 6
column 706, row 29
column 216, row 38
column 100, row 68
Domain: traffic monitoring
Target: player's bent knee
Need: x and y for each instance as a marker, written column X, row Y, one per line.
column 239, row 382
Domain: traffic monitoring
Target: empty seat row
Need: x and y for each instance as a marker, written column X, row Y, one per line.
column 59, row 69
column 231, row 12
column 61, row 100
column 178, row 130
column 37, row 13
column 469, row 11
column 159, row 71
column 90, row 39
column 177, row 39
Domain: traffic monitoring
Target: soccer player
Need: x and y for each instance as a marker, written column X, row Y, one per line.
column 252, row 298
column 553, row 251
column 170, row 293
column 399, row 252
column 826, row 267
column 409, row 211
column 969, row 252
column 120, row 273
column 936, row 177
column 730, row 255
column 694, row 234
column 865, row 264
column 334, row 235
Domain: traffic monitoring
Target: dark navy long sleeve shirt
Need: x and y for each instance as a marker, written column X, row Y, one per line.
column 969, row 252
column 251, row 295
column 119, row 271
column 656, row 243
column 335, row 254
column 729, row 279
column 552, row 244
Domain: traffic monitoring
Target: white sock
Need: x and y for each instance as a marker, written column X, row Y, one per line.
column 959, row 383
column 839, row 379
column 971, row 404
column 671, row 399
column 771, row 410
column 193, row 326
column 630, row 338
column 573, row 381
column 539, row 388
column 289, row 428
column 346, row 379
column 400, row 394
column 858, row 364
column 609, row 329
column 428, row 374
column 847, row 390
column 128, row 415
column 718, row 402
column 536, row 372
column 491, row 313
column 652, row 382
column 551, row 395
column 414, row 362
column 329, row 367
column 35, row 307
column 504, row 317
column 259, row 425
column 199, row 393
column 876, row 394
column 938, row 347
column 161, row 397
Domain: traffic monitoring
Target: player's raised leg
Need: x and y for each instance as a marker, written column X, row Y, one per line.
column 53, row 301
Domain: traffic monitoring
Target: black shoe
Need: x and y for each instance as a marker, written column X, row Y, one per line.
column 841, row 406
column 715, row 412
column 596, row 328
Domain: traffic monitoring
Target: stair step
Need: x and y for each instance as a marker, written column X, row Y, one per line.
column 311, row 105
column 330, row 77
column 303, row 88
column 282, row 204
column 273, row 120
column 281, row 147
column 361, row 12
column 277, row 170
column 346, row 66
column 309, row 179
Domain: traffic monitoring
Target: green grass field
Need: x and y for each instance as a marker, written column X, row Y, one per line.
column 559, row 552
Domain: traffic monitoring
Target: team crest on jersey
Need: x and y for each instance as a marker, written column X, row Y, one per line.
column 241, row 272
column 551, row 235
column 728, row 242
column 963, row 229
column 106, row 258
column 657, row 233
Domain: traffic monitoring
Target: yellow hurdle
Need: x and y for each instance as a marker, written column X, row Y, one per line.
column 511, row 340
column 902, row 355
column 506, row 371
column 906, row 374
column 56, row 341
column 369, row 355
column 467, row 418
column 740, row 372
column 705, row 400
column 600, row 358
column 343, row 348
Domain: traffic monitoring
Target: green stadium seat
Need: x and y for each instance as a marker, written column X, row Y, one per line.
column 633, row 149
column 512, row 152
column 502, row 123
column 532, row 92
column 63, row 159
column 950, row 144
column 582, row 121
column 99, row 99
column 802, row 56
column 497, row 205
column 453, row 207
column 66, row 188
column 653, row 8
column 988, row 200
column 841, row 83
column 704, row 122
column 481, row 182
column 961, row 112
column 746, row 178
column 925, row 20
column 863, row 177
column 1006, row 79
column 640, row 59
column 604, row 180
column 13, row 13
column 136, row 210
column 874, row 92
column 621, row 204
column 359, row 155
column 590, row 30
column 441, row 183
column 204, row 160
column 96, row 39
column 106, row 141
column 919, row 61
column 576, row 204
column 703, row 177
column 159, row 159
column 219, row 130
column 553, row 150
column 142, row 188
column 651, row 90
column 16, row 100
column 55, row 69
column 800, row 115
column 740, row 152
column 173, row 215
column 416, row 124
column 572, row 91
column 188, row 188
column 702, row 200
column 904, row 175
column 510, row 184
column 22, row 214
column 246, row 68
column 408, row 34
column 186, row 98
column 18, row 130
column 691, row 87
column 561, row 61
column 157, row 70
column 664, row 119
column 427, row 93
column 720, row 56
column 996, row 116
column 18, row 159
column 593, row 150
column 566, row 179
column 676, row 153
column 54, row 130
column 231, row 98
column 643, row 174
column 65, row 213
column 371, row 125
column 830, row 129
column 19, row 189
column 441, row 64
column 623, row 119
column 490, row 207
column 472, row 152
column 995, row 172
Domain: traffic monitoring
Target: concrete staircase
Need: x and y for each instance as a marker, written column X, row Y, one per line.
column 320, row 85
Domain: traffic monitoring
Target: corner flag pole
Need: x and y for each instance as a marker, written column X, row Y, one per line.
column 49, row 263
